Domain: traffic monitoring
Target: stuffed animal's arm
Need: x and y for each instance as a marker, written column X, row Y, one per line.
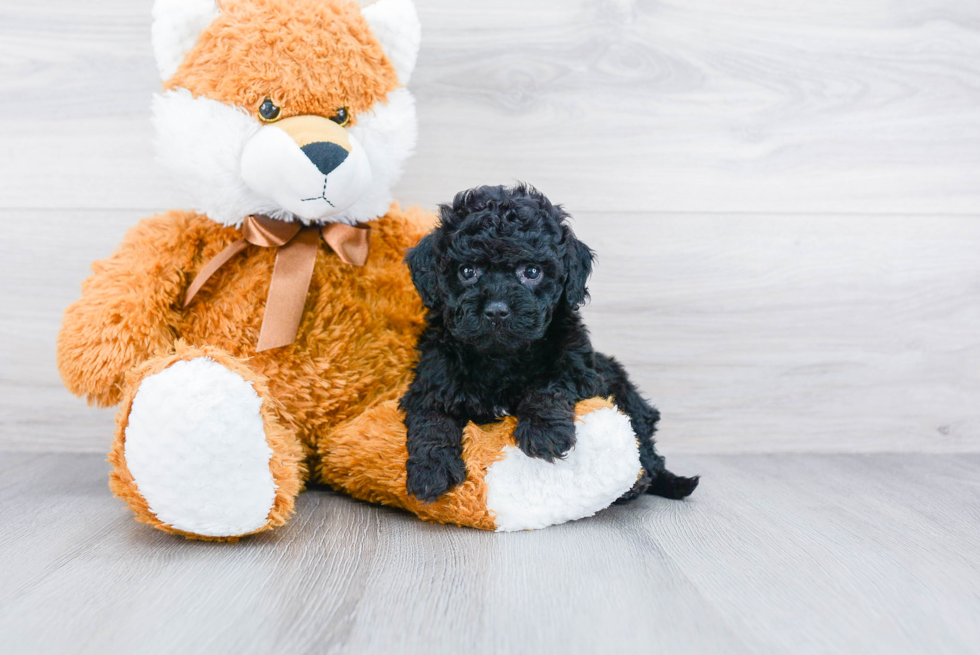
column 127, row 311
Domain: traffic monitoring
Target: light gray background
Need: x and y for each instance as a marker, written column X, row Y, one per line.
column 783, row 194
column 785, row 199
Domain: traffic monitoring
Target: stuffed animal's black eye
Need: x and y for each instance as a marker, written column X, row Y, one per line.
column 532, row 272
column 342, row 117
column 268, row 111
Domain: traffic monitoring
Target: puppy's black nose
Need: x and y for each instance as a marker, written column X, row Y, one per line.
column 496, row 311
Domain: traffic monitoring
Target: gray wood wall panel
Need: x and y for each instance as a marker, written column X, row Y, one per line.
column 751, row 333
column 806, row 333
column 759, row 105
column 784, row 197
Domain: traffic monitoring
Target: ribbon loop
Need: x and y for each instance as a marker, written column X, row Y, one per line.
column 293, row 270
column 268, row 232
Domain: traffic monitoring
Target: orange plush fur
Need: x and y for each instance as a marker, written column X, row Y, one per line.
column 354, row 348
column 274, row 49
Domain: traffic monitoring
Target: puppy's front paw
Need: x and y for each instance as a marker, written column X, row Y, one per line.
column 547, row 440
column 431, row 477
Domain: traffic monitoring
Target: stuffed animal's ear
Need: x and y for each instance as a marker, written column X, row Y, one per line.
column 421, row 262
column 177, row 24
column 396, row 27
column 578, row 267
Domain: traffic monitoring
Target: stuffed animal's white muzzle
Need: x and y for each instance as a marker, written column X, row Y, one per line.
column 308, row 165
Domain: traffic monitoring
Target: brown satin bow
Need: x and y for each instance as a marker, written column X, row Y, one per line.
column 293, row 270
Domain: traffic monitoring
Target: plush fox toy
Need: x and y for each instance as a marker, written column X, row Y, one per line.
column 261, row 340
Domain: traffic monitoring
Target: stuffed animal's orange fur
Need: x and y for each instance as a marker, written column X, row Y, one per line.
column 355, row 344
column 257, row 49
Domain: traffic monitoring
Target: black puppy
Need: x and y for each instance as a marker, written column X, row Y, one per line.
column 503, row 277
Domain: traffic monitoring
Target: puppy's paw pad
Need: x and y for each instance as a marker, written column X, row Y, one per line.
column 428, row 480
column 547, row 441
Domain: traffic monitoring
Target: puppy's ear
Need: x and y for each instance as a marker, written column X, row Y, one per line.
column 578, row 267
column 421, row 262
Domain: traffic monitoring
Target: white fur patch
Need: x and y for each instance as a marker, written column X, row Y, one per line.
column 197, row 450
column 528, row 493
column 201, row 141
column 177, row 25
column 396, row 26
column 388, row 134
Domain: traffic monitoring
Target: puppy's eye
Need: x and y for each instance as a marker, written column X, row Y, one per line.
column 342, row 117
column 269, row 112
column 468, row 273
column 529, row 274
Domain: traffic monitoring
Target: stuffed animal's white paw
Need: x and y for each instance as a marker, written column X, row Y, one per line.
column 196, row 447
column 526, row 493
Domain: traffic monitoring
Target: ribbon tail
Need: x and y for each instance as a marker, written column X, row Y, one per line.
column 211, row 267
column 288, row 290
column 352, row 243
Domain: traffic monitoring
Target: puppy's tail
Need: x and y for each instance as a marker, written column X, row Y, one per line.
column 672, row 486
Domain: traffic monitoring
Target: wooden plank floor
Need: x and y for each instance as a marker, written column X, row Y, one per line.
column 774, row 554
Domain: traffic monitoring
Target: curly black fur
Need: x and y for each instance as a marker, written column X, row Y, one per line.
column 503, row 277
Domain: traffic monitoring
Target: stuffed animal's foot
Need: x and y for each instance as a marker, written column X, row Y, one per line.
column 199, row 451
column 526, row 493
column 504, row 490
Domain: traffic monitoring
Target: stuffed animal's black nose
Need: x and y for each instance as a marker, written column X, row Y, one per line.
column 496, row 311
column 325, row 156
